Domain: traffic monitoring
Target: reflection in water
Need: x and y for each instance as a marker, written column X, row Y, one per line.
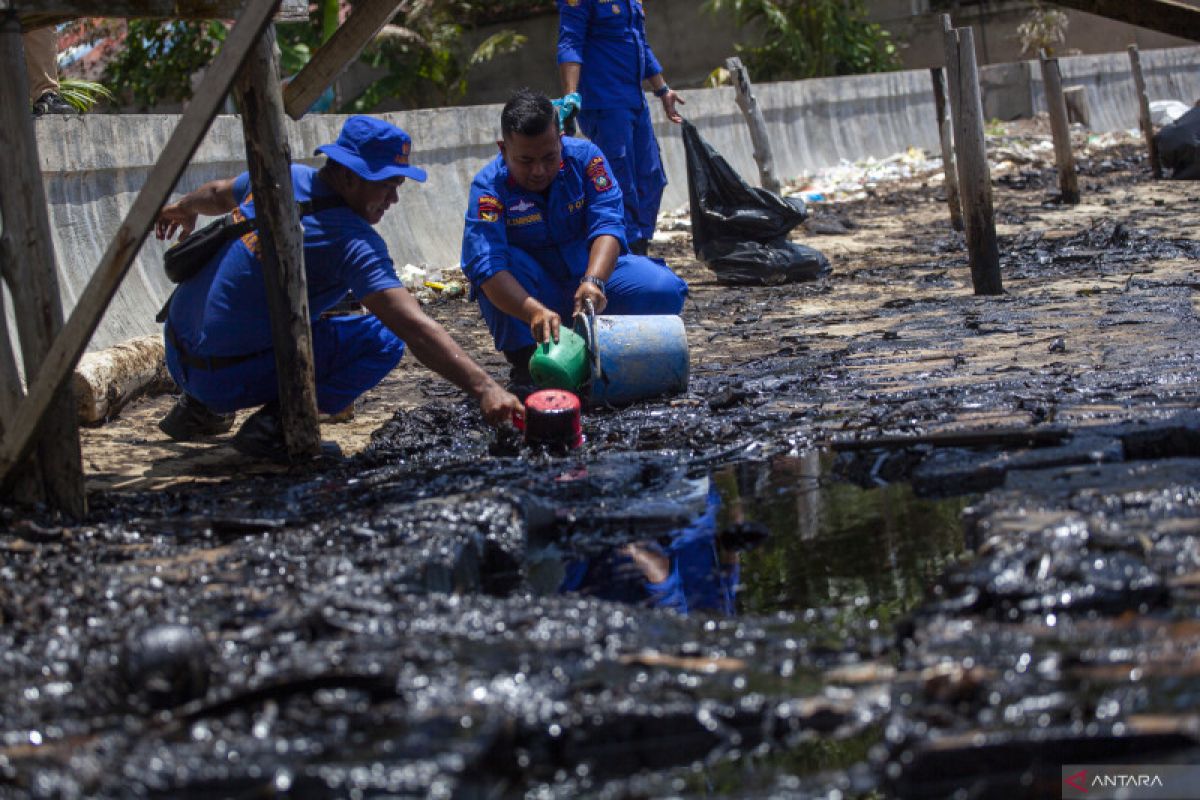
column 687, row 569
column 808, row 542
column 869, row 553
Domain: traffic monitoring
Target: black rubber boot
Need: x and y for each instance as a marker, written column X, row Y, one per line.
column 261, row 436
column 639, row 247
column 52, row 103
column 190, row 419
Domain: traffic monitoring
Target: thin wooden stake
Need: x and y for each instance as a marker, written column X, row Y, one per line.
column 1147, row 124
column 32, row 279
column 748, row 103
column 946, row 135
column 1064, row 158
column 282, row 242
column 974, row 175
column 56, row 367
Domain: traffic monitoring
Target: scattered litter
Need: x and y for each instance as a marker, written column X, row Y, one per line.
column 1164, row 112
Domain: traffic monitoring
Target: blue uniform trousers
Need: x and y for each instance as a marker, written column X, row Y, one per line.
column 626, row 138
column 638, row 285
column 350, row 355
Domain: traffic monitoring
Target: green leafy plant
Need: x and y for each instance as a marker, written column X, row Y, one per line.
column 1042, row 30
column 427, row 58
column 84, row 95
column 423, row 56
column 159, row 58
column 809, row 38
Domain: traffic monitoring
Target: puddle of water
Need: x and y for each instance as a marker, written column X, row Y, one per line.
column 864, row 553
column 780, row 535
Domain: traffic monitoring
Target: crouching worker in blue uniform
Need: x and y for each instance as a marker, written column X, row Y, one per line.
column 218, row 332
column 545, row 234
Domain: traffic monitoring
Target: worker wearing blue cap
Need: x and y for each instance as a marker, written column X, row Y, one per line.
column 603, row 59
column 218, row 332
column 544, row 237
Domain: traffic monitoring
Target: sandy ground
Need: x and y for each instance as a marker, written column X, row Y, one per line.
column 897, row 315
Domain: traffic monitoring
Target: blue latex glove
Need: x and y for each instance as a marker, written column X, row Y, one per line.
column 567, row 106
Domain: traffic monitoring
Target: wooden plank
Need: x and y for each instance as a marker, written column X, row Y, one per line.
column 39, row 13
column 56, row 367
column 946, row 135
column 32, row 279
column 1144, row 121
column 1164, row 16
column 748, row 103
column 1064, row 159
column 332, row 58
column 282, row 242
column 974, row 174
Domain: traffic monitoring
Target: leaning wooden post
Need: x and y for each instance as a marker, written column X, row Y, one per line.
column 946, row 136
column 33, row 279
column 260, row 98
column 1068, row 182
column 56, row 368
column 974, row 176
column 1147, row 125
column 748, row 103
column 332, row 58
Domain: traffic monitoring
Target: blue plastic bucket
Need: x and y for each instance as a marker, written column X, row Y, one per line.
column 636, row 357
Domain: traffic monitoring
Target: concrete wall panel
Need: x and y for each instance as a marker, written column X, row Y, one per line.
column 93, row 166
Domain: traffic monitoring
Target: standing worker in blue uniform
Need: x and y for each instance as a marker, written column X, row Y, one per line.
column 603, row 58
column 218, row 332
column 545, row 235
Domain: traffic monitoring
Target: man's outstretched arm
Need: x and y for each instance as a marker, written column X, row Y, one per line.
column 433, row 347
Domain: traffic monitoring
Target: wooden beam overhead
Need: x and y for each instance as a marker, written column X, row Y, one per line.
column 56, row 367
column 39, row 13
column 1164, row 16
column 363, row 24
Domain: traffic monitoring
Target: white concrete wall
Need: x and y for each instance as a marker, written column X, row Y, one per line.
column 93, row 166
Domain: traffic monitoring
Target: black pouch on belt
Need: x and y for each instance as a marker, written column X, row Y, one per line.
column 188, row 257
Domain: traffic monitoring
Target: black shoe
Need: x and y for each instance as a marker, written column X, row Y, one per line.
column 52, row 103
column 639, row 247
column 261, row 436
column 190, row 419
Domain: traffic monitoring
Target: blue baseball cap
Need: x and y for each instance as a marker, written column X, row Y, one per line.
column 373, row 149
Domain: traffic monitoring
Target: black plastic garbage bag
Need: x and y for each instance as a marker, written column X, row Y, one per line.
column 1179, row 146
column 739, row 231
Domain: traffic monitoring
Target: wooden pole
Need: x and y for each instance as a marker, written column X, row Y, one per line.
column 974, row 175
column 332, row 58
column 32, row 279
column 748, row 103
column 56, row 367
column 1147, row 125
column 946, row 135
column 282, row 244
column 1068, row 182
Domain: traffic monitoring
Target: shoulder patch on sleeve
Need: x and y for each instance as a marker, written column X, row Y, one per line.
column 599, row 174
column 490, row 208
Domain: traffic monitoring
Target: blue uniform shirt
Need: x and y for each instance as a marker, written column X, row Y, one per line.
column 222, row 311
column 556, row 229
column 608, row 37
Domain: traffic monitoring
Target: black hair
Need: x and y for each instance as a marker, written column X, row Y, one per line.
column 528, row 113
